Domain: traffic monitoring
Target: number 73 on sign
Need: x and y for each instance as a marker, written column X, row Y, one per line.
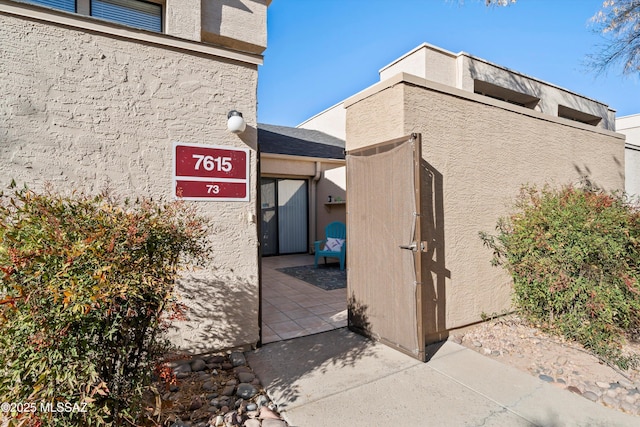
column 214, row 173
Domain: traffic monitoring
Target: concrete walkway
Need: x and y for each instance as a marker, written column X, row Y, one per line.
column 338, row 378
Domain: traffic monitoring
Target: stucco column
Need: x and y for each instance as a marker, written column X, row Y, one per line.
column 184, row 19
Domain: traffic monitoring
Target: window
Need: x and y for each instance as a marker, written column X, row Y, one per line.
column 578, row 116
column 135, row 13
column 68, row 5
column 504, row 94
column 146, row 15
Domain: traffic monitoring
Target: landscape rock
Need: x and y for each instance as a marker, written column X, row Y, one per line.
column 182, row 368
column 196, row 403
column 609, row 401
column 198, row 365
column 269, row 422
column 626, row 384
column 228, row 390
column 246, row 377
column 262, row 400
column 266, row 413
column 237, row 358
column 554, row 359
column 215, row 359
column 574, row 389
column 246, row 391
column 233, row 419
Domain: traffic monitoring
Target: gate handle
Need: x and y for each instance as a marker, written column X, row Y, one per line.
column 412, row 247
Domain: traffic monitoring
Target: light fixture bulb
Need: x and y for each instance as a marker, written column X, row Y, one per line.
column 235, row 122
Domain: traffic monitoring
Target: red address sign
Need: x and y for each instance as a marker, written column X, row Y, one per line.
column 211, row 162
column 207, row 172
column 210, row 190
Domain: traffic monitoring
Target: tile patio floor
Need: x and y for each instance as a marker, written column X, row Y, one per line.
column 293, row 308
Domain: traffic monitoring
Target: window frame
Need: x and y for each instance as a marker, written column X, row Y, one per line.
column 36, row 2
column 83, row 7
column 161, row 3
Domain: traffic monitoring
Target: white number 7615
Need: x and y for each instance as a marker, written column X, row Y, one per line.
column 210, row 163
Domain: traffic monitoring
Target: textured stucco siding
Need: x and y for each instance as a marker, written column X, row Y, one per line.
column 484, row 154
column 375, row 118
column 86, row 111
column 461, row 70
column 632, row 166
column 550, row 96
column 476, row 156
column 238, row 24
column 184, row 18
column 630, row 127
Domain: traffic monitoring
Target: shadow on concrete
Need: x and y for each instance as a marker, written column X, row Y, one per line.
column 358, row 321
column 282, row 364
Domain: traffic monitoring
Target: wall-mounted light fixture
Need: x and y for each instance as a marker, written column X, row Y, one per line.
column 235, row 122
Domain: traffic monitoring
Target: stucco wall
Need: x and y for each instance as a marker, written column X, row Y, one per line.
column 476, row 156
column 282, row 166
column 183, row 18
column 332, row 183
column 426, row 61
column 550, row 96
column 84, row 111
column 384, row 107
column 330, row 121
column 461, row 70
column 239, row 24
column 632, row 166
column 630, row 127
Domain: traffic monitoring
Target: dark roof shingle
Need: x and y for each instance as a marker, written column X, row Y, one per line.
column 299, row 142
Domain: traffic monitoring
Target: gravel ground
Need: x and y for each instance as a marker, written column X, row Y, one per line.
column 198, row 398
column 512, row 341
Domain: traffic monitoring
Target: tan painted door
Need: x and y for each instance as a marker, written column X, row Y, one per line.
column 384, row 243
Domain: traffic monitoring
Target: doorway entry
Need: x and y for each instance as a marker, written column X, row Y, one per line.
column 285, row 218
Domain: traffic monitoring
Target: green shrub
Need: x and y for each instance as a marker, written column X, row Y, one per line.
column 86, row 296
column 574, row 254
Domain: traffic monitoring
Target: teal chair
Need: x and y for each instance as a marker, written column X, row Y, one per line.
column 334, row 233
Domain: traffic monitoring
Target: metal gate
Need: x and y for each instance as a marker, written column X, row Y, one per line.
column 384, row 243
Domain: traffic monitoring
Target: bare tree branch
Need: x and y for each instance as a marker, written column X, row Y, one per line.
column 619, row 23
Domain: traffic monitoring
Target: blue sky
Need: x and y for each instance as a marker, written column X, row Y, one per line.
column 323, row 51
